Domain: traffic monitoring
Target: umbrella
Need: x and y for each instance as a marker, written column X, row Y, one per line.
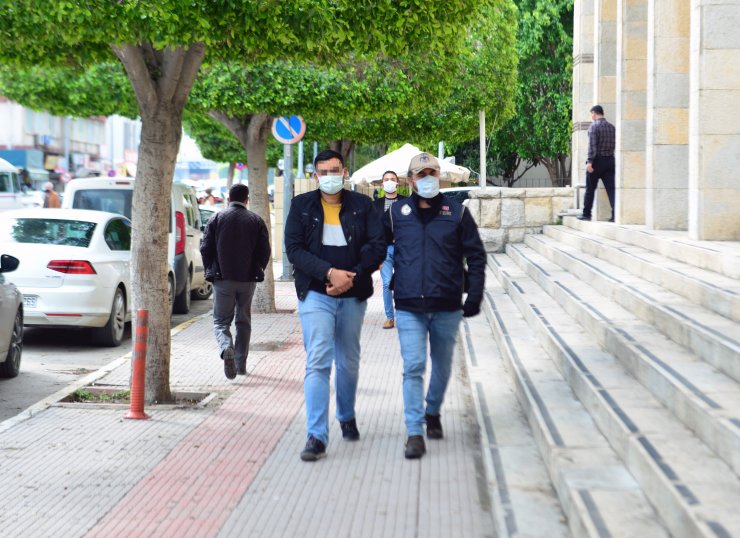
column 398, row 161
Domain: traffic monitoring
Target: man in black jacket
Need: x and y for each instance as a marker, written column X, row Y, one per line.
column 235, row 250
column 334, row 239
column 390, row 197
column 434, row 236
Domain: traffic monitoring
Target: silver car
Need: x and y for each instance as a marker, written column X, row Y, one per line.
column 11, row 320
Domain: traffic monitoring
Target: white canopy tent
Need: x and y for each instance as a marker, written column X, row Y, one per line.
column 398, row 161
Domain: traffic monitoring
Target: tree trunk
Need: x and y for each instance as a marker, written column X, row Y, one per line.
column 343, row 146
column 230, row 176
column 553, row 169
column 162, row 80
column 252, row 132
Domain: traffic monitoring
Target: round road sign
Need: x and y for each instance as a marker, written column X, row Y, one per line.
column 288, row 129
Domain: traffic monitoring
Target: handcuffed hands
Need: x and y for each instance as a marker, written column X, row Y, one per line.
column 340, row 281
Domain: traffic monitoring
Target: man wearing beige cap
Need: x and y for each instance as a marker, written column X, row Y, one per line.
column 434, row 237
column 51, row 198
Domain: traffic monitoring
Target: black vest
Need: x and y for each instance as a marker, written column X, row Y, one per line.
column 428, row 258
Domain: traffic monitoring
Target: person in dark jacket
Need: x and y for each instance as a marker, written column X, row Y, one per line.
column 434, row 236
column 235, row 250
column 391, row 196
column 334, row 239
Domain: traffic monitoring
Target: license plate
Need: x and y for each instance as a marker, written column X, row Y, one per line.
column 29, row 301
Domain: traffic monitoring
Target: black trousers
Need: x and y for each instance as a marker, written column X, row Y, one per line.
column 603, row 170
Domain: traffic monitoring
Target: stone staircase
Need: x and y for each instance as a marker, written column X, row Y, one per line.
column 606, row 373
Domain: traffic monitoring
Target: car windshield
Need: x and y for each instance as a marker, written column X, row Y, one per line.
column 111, row 200
column 74, row 233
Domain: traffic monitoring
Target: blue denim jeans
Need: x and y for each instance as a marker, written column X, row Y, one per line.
column 414, row 331
column 386, row 273
column 232, row 298
column 331, row 332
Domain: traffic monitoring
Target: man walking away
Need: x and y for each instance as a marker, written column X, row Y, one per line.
column 600, row 162
column 334, row 239
column 235, row 250
column 51, row 198
column 390, row 188
column 434, row 236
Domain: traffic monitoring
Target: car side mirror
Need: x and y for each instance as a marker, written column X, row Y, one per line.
column 8, row 263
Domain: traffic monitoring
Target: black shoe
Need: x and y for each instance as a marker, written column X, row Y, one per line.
column 434, row 427
column 349, row 430
column 611, row 219
column 583, row 217
column 241, row 367
column 415, row 447
column 315, row 450
column 229, row 367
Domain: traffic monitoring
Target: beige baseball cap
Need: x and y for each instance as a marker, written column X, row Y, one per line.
column 423, row 161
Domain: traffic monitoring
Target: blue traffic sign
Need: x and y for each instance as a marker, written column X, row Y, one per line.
column 288, row 129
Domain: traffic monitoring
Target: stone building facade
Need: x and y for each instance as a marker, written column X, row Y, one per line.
column 667, row 73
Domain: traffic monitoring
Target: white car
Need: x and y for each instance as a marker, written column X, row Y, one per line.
column 74, row 268
column 186, row 278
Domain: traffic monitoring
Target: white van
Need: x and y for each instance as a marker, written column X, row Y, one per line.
column 13, row 194
column 186, row 271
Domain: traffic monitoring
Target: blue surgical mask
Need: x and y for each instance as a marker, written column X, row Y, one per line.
column 331, row 184
column 427, row 187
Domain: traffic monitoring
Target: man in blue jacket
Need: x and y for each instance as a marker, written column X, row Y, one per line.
column 434, row 237
column 334, row 240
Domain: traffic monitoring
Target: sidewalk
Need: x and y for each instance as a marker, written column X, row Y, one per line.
column 232, row 468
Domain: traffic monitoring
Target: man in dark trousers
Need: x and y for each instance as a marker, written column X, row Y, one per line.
column 600, row 162
column 434, row 236
column 235, row 250
column 334, row 239
column 391, row 196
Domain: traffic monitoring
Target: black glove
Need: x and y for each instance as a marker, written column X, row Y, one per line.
column 471, row 308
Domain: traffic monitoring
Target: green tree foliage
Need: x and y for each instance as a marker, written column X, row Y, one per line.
column 539, row 131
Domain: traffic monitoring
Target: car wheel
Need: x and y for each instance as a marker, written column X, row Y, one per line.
column 182, row 301
column 171, row 291
column 12, row 364
column 111, row 335
column 203, row 292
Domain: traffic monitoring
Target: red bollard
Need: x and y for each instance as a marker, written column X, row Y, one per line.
column 138, row 376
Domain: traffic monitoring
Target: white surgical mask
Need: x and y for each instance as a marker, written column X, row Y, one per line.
column 390, row 186
column 427, row 187
column 331, row 184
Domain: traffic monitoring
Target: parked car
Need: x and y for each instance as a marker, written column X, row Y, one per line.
column 11, row 320
column 75, row 268
column 186, row 273
column 457, row 193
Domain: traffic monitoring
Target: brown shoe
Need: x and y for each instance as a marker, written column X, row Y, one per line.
column 415, row 447
column 389, row 324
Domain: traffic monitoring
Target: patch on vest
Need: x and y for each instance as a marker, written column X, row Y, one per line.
column 406, row 210
column 445, row 211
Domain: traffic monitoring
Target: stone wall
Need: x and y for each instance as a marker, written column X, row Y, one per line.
column 505, row 215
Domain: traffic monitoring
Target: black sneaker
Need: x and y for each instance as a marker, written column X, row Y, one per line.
column 229, row 367
column 415, row 447
column 584, row 217
column 434, row 427
column 315, row 450
column 349, row 430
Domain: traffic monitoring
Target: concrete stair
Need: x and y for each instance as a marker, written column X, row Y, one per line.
column 628, row 379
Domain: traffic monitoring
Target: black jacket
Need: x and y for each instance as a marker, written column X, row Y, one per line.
column 236, row 245
column 429, row 254
column 303, row 238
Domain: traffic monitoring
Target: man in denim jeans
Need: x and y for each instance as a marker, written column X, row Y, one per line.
column 334, row 239
column 434, row 236
column 390, row 197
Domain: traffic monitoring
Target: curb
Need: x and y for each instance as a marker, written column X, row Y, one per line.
column 62, row 393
